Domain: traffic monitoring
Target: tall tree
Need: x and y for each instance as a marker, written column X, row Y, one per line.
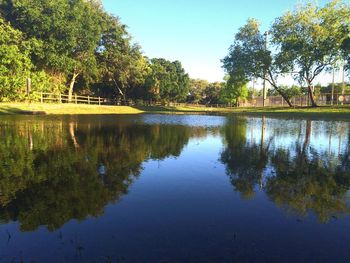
column 121, row 62
column 249, row 58
column 70, row 31
column 15, row 64
column 212, row 93
column 168, row 80
column 346, row 51
column 196, row 90
column 309, row 40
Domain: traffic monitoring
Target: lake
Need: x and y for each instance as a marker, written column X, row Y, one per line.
column 174, row 188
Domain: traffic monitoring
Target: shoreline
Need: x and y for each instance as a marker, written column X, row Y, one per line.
column 84, row 109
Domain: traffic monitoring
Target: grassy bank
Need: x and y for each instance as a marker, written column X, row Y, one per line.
column 61, row 109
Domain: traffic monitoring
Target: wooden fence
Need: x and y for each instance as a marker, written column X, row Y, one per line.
column 271, row 101
column 44, row 97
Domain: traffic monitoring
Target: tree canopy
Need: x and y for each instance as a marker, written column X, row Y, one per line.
column 249, row 58
column 305, row 42
column 78, row 46
column 309, row 40
column 15, row 63
column 67, row 46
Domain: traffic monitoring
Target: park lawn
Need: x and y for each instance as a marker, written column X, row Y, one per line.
column 324, row 111
column 64, row 109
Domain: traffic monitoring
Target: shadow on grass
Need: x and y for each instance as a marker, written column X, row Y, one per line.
column 17, row 111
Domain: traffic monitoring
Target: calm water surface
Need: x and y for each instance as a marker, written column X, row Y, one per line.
column 157, row 188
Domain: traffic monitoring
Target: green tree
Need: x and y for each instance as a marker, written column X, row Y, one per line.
column 168, row 80
column 290, row 91
column 15, row 64
column 234, row 91
column 249, row 58
column 346, row 51
column 309, row 40
column 69, row 30
column 196, row 90
column 121, row 63
column 212, row 93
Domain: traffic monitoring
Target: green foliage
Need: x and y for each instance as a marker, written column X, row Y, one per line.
column 290, row 91
column 79, row 44
column 346, row 51
column 69, row 30
column 122, row 65
column 66, row 45
column 212, row 93
column 234, row 91
column 253, row 92
column 197, row 90
column 306, row 41
column 338, row 89
column 250, row 59
column 15, row 64
column 168, row 80
column 310, row 39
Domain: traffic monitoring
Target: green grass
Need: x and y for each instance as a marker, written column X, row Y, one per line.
column 62, row 109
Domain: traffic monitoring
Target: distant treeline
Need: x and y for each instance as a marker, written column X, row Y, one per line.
column 75, row 46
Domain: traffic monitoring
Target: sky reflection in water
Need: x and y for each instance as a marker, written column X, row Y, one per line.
column 174, row 188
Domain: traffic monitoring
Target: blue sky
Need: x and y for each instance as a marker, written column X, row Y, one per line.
column 196, row 32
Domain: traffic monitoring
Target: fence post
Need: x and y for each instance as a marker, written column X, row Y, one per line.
column 88, row 99
column 29, row 86
column 76, row 99
column 41, row 97
column 99, row 101
column 60, row 98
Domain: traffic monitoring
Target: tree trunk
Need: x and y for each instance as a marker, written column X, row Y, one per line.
column 71, row 87
column 307, row 135
column 273, row 84
column 312, row 96
column 123, row 95
column 284, row 96
column 120, row 91
column 125, row 100
column 72, row 134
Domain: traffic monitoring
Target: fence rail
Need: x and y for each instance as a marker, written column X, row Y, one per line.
column 62, row 98
column 271, row 101
column 302, row 101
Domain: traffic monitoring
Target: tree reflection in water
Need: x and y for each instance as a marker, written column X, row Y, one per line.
column 56, row 169
column 53, row 171
column 300, row 177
